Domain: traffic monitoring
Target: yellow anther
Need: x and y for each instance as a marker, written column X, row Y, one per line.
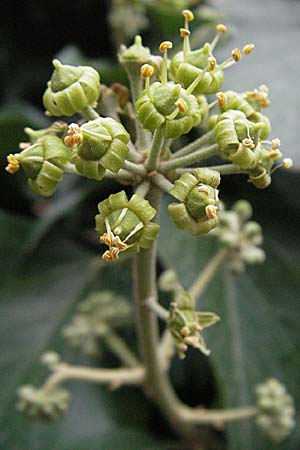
column 147, row 70
column 248, row 143
column 188, row 15
column 184, row 32
column 203, row 188
column 275, row 154
column 264, row 102
column 211, row 211
column 264, row 88
column 111, row 255
column 248, row 49
column 192, row 340
column 185, row 331
column 212, row 62
column 74, row 135
column 181, row 105
column 165, row 45
column 236, row 54
column 119, row 244
column 287, row 163
column 275, row 143
column 107, row 238
column 13, row 164
column 222, row 99
column 221, row 28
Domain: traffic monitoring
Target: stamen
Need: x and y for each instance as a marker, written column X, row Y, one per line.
column 221, row 29
column 287, row 163
column 248, row 143
column 212, row 63
column 74, row 135
column 185, row 331
column 203, row 188
column 192, row 340
column 147, row 71
column 139, row 226
column 163, row 48
column 24, row 145
column 275, row 143
column 211, row 211
column 181, row 105
column 13, row 164
column 236, row 54
column 222, row 99
column 248, row 49
column 185, row 34
column 111, row 255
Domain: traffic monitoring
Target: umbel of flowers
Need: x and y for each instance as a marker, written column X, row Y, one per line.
column 168, row 100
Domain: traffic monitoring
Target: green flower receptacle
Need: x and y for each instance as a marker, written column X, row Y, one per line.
column 71, row 89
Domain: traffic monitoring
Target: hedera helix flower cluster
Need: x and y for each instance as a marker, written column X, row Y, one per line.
column 169, row 98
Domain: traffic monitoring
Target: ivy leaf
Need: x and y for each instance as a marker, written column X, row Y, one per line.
column 258, row 334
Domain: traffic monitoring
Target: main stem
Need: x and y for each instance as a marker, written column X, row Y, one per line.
column 157, row 384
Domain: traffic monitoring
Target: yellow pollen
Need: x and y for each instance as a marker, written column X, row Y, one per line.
column 165, row 45
column 184, row 32
column 221, row 28
column 222, row 99
column 13, row 164
column 236, row 54
column 74, row 135
column 264, row 102
column 188, row 15
column 147, row 70
column 181, row 105
column 111, row 255
column 212, row 62
column 211, row 211
column 248, row 49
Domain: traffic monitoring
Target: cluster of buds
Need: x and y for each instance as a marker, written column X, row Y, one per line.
column 98, row 145
column 43, row 162
column 186, row 324
column 276, row 409
column 71, row 89
column 198, row 196
column 42, row 403
column 241, row 236
column 125, row 224
column 93, row 319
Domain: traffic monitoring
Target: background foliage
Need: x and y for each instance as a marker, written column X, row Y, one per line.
column 50, row 257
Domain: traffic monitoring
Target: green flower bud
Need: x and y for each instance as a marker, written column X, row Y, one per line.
column 100, row 144
column 238, row 102
column 168, row 104
column 93, row 319
column 43, row 164
column 186, row 70
column 71, row 89
column 276, row 410
column 185, row 324
column 40, row 404
column 58, row 127
column 199, row 201
column 136, row 55
column 125, row 224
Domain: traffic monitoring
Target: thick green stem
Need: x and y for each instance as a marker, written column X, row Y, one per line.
column 192, row 158
column 227, row 169
column 207, row 274
column 136, row 169
column 157, row 384
column 162, row 182
column 157, row 143
column 89, row 113
column 207, row 138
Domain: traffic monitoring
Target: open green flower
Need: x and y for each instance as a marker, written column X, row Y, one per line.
column 125, row 224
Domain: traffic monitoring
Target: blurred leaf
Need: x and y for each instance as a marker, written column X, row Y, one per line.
column 13, row 119
column 35, row 303
column 258, row 334
column 273, row 26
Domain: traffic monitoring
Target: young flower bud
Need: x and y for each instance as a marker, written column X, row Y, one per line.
column 199, row 201
column 185, row 324
column 99, row 144
column 125, row 224
column 43, row 163
column 40, row 404
column 71, row 89
column 276, row 410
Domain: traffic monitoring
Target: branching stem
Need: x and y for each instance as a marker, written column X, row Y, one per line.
column 157, row 143
column 207, row 138
column 192, row 158
column 89, row 113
